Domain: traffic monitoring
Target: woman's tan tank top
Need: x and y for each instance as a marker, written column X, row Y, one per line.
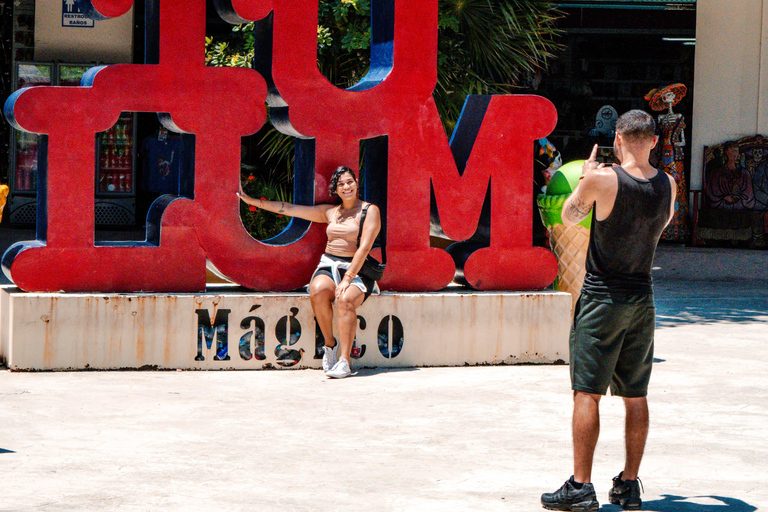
column 342, row 231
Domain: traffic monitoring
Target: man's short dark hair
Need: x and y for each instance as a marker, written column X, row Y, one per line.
column 636, row 125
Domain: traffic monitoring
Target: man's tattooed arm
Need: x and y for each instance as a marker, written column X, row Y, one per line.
column 576, row 209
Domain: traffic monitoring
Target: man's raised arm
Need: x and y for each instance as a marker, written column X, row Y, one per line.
column 580, row 202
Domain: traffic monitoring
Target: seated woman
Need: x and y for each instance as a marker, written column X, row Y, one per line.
column 336, row 278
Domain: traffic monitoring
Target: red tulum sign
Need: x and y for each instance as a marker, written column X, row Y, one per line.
column 408, row 157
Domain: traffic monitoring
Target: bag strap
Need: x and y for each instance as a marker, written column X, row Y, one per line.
column 362, row 221
column 360, row 233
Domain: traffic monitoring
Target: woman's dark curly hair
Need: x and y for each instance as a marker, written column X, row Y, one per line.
column 335, row 178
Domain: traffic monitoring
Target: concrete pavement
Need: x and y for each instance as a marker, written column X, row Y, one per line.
column 443, row 439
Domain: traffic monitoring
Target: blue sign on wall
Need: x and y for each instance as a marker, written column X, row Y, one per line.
column 72, row 16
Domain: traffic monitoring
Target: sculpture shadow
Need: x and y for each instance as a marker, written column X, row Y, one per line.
column 674, row 503
column 370, row 372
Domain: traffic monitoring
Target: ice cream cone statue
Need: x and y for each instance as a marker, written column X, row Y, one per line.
column 569, row 244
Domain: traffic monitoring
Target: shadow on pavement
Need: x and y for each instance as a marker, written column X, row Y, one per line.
column 672, row 503
column 370, row 372
column 684, row 303
column 673, row 317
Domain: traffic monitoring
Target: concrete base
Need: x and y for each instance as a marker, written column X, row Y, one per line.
column 231, row 329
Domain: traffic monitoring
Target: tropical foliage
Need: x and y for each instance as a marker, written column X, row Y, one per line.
column 262, row 224
column 484, row 46
column 489, row 47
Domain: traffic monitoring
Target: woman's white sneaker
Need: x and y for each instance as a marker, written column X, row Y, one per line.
column 339, row 370
column 329, row 357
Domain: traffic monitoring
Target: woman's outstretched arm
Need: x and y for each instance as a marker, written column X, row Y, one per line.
column 311, row 213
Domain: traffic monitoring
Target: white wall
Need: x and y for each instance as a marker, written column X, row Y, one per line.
column 731, row 77
column 108, row 41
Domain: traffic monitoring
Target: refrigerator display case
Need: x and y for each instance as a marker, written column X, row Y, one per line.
column 115, row 172
column 27, row 150
column 115, row 194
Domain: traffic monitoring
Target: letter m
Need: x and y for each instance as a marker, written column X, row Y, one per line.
column 207, row 331
column 491, row 154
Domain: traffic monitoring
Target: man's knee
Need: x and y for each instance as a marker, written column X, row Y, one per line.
column 583, row 396
column 636, row 403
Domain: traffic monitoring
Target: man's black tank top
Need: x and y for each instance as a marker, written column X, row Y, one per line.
column 621, row 247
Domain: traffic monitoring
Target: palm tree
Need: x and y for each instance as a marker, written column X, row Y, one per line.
column 488, row 47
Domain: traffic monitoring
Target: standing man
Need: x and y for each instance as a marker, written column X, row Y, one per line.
column 612, row 334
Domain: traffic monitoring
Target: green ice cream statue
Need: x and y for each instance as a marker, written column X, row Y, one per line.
column 569, row 244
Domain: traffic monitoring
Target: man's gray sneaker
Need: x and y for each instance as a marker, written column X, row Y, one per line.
column 626, row 493
column 569, row 497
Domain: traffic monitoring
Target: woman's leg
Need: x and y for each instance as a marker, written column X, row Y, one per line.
column 322, row 292
column 347, row 310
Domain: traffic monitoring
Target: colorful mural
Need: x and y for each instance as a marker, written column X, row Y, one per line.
column 735, row 198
